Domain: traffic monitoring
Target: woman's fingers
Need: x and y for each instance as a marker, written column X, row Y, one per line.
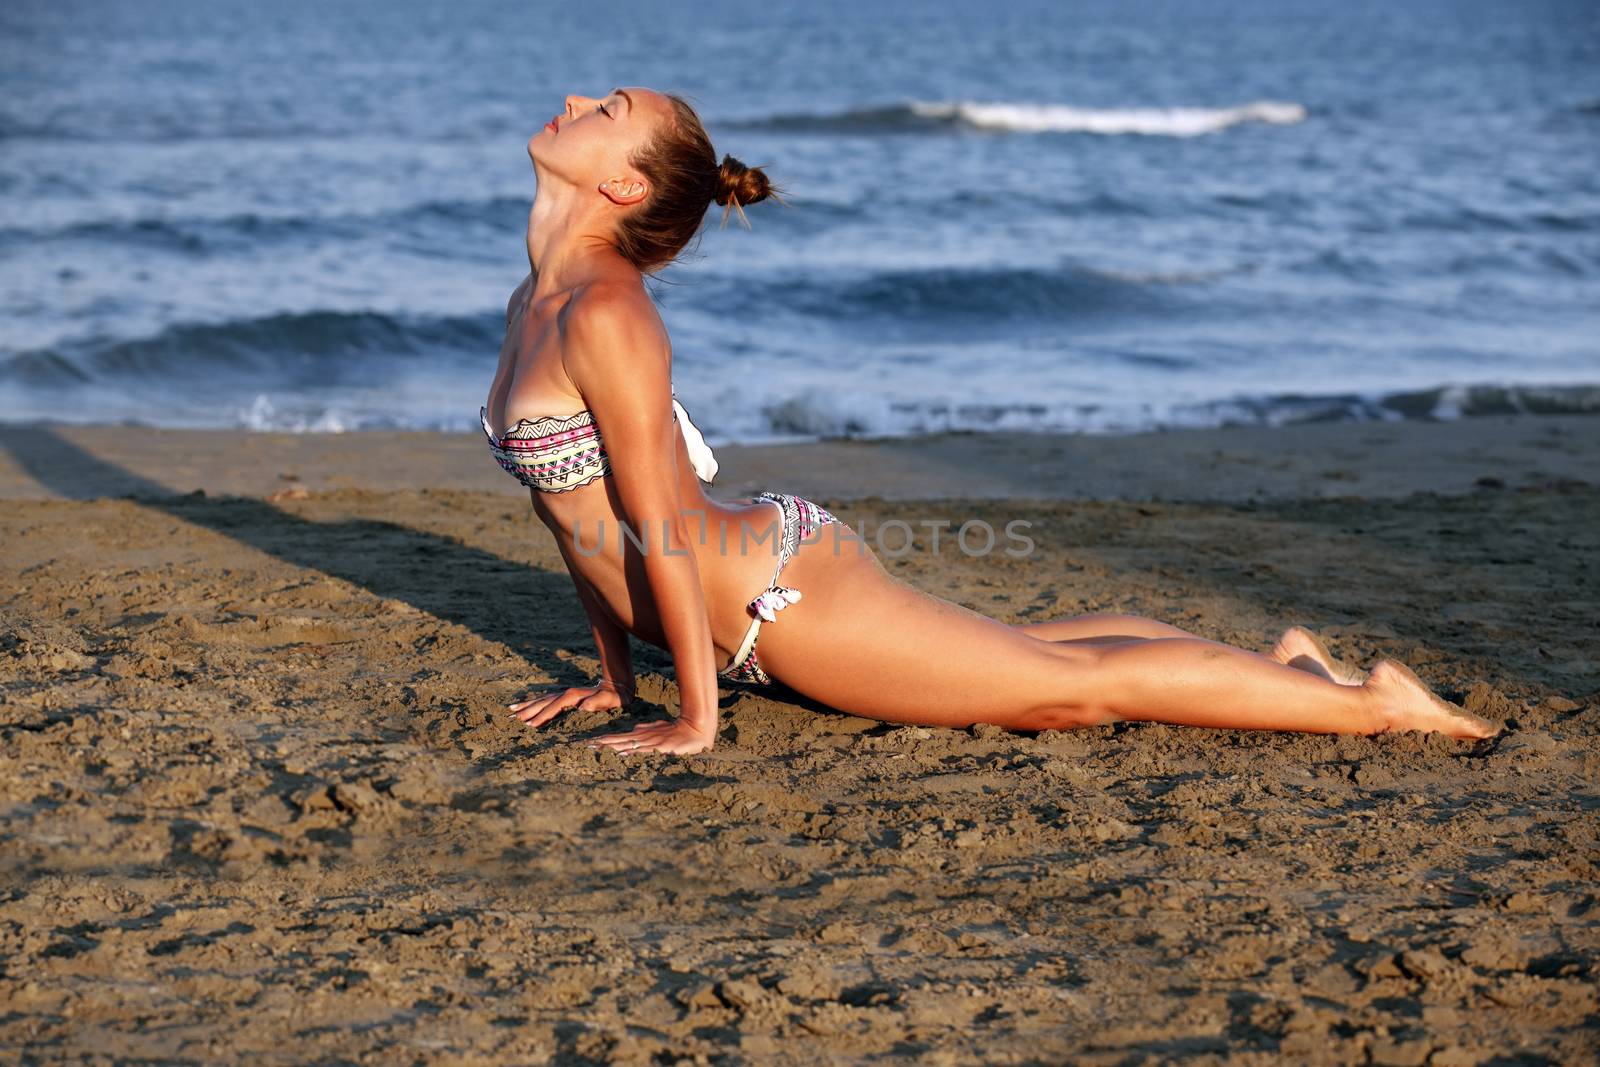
column 536, row 711
column 665, row 736
column 522, row 705
column 532, row 709
column 637, row 738
column 638, row 733
column 538, row 719
column 553, row 703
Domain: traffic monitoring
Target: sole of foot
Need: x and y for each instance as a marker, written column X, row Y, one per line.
column 1416, row 707
column 1304, row 650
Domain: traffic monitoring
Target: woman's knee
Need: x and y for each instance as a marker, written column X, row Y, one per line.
column 1075, row 716
column 1076, row 695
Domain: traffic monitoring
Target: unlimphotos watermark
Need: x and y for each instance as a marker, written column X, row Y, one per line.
column 893, row 537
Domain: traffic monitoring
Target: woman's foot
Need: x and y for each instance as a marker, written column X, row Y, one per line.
column 1304, row 651
column 1411, row 705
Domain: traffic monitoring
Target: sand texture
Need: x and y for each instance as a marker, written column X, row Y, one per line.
column 261, row 799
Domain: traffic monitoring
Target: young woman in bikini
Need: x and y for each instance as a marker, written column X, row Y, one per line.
column 582, row 411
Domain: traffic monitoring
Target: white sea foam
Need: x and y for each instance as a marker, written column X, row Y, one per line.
column 262, row 416
column 1150, row 122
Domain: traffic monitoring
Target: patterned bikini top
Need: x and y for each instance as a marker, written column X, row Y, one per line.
column 559, row 453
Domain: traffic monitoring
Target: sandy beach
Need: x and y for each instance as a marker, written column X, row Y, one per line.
column 262, row 801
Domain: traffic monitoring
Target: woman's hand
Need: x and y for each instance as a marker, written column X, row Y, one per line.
column 670, row 736
column 604, row 695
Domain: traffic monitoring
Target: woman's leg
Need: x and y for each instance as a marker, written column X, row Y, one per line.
column 1298, row 647
column 866, row 642
column 1099, row 627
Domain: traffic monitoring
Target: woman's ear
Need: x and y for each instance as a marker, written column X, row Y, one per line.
column 624, row 191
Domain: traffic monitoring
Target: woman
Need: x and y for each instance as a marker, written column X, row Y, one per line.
column 582, row 411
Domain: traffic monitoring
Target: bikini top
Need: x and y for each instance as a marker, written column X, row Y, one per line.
column 559, row 453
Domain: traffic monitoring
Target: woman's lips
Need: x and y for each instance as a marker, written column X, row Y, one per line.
column 553, row 124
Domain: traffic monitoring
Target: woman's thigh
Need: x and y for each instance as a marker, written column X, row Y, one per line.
column 863, row 641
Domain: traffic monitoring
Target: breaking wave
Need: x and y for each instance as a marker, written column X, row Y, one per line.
column 932, row 116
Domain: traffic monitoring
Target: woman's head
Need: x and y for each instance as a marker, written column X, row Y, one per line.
column 648, row 154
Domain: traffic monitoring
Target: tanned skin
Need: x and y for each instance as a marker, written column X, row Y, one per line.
column 583, row 333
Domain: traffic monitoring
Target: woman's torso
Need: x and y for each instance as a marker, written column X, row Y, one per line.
column 734, row 544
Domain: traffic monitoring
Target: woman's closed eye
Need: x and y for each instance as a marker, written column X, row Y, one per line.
column 603, row 111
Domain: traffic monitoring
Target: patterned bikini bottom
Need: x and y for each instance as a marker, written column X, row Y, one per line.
column 800, row 518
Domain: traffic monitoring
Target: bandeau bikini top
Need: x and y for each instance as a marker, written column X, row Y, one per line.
column 559, row 453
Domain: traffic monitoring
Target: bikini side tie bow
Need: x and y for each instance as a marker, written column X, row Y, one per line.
column 774, row 600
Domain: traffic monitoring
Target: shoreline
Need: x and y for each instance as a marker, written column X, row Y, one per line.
column 1314, row 461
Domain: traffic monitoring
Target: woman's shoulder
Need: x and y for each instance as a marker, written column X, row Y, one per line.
column 607, row 309
column 611, row 331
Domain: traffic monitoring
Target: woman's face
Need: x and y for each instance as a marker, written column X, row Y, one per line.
column 592, row 139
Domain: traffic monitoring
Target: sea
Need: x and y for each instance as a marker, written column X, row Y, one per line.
column 1032, row 216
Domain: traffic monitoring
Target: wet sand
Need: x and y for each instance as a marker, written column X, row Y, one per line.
column 262, row 802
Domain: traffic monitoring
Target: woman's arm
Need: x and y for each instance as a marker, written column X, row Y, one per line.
column 616, row 687
column 616, row 352
column 610, row 639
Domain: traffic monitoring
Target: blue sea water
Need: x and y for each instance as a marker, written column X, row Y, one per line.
column 1049, row 215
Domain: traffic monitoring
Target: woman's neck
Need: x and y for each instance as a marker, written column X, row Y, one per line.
column 564, row 233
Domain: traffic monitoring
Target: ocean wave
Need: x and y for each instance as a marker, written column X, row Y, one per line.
column 1467, row 401
column 288, row 350
column 818, row 414
column 200, row 234
column 729, row 417
column 1444, row 403
column 940, row 297
column 1531, row 218
column 928, row 116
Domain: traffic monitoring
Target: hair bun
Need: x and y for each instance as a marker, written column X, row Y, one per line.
column 739, row 184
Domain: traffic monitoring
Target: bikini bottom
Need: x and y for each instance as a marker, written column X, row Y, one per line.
column 800, row 518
